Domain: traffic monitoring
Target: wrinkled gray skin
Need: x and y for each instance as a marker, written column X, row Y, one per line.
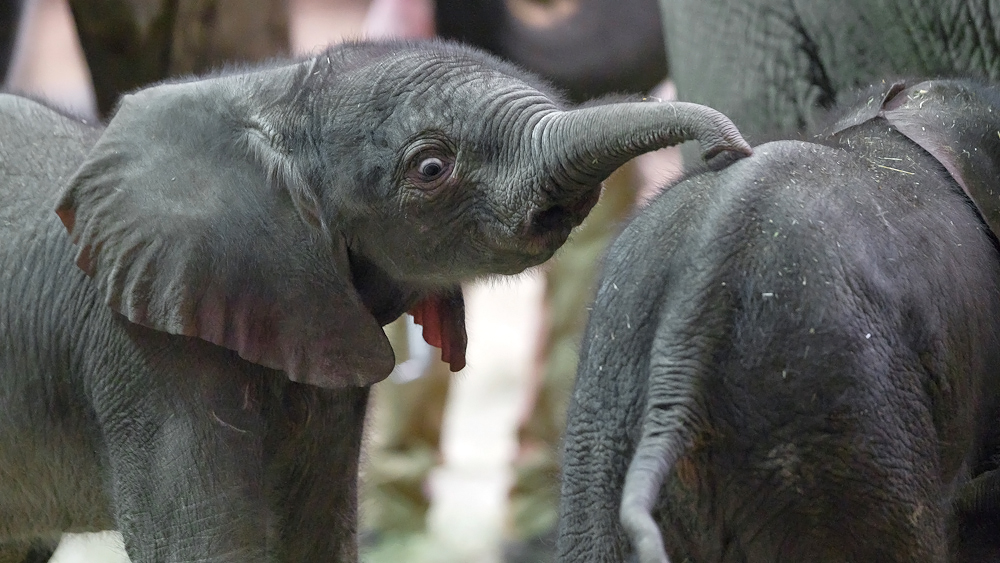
column 795, row 358
column 285, row 212
column 769, row 64
column 601, row 47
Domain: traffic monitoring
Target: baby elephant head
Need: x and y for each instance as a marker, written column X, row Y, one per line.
column 288, row 212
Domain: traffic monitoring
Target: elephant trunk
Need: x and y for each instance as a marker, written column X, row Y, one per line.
column 981, row 496
column 580, row 148
column 588, row 144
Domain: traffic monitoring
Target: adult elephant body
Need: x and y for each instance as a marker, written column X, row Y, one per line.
column 191, row 298
column 795, row 358
column 768, row 64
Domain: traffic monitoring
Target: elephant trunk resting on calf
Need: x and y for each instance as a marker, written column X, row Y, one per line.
column 797, row 357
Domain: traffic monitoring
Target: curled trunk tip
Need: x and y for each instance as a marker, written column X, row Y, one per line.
column 591, row 143
column 729, row 137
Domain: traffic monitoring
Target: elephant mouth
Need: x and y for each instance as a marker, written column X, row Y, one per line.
column 384, row 298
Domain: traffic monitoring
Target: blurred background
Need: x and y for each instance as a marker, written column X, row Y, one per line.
column 469, row 484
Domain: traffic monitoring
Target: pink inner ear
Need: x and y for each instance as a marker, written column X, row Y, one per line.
column 442, row 328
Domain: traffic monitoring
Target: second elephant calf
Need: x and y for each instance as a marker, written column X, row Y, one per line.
column 795, row 358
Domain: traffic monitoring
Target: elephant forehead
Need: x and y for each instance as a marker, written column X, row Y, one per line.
column 434, row 84
column 435, row 75
column 475, row 104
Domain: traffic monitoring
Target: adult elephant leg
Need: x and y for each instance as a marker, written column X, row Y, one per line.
column 131, row 43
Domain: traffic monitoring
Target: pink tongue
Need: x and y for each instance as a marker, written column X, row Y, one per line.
column 444, row 327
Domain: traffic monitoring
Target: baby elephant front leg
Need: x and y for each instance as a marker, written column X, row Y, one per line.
column 235, row 466
column 185, row 450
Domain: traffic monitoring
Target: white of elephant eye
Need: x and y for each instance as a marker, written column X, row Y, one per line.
column 431, row 168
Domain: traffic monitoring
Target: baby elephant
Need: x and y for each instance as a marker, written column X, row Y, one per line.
column 796, row 358
column 189, row 365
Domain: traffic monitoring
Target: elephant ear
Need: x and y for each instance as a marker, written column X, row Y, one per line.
column 192, row 222
column 877, row 98
column 957, row 123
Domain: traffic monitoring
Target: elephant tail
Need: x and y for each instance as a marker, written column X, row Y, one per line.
column 673, row 418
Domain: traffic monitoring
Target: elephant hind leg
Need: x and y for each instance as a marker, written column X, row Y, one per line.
column 850, row 495
column 35, row 551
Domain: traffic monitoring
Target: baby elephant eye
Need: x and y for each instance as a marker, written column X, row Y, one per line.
column 431, row 168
